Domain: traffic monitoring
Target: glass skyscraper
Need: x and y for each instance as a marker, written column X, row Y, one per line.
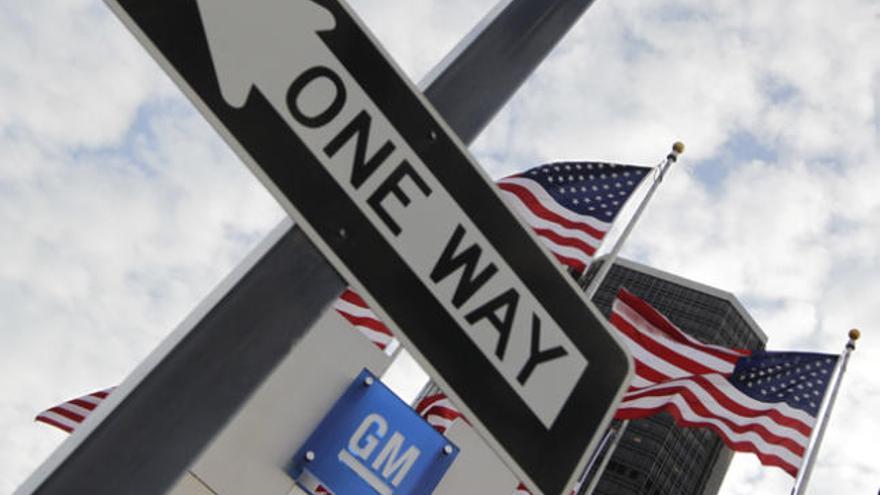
column 655, row 457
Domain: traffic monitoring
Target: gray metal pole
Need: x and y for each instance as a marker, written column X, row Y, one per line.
column 232, row 342
column 803, row 477
column 593, row 458
column 594, row 481
column 672, row 157
column 593, row 287
column 498, row 60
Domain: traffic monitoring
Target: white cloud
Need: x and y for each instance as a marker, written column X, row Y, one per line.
column 106, row 252
column 72, row 75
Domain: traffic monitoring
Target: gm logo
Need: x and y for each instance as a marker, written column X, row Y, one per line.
column 388, row 457
column 371, row 442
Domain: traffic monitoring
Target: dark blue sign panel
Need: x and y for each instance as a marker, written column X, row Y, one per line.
column 372, row 442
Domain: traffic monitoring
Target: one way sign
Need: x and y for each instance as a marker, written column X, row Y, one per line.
column 358, row 157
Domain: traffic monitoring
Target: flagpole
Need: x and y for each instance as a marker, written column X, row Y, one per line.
column 803, row 476
column 660, row 172
column 593, row 458
column 593, row 287
column 617, row 434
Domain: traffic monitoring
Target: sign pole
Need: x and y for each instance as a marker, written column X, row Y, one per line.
column 171, row 407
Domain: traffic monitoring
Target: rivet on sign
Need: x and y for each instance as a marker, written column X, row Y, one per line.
column 433, row 135
column 368, row 381
column 310, row 456
column 342, row 233
column 447, row 450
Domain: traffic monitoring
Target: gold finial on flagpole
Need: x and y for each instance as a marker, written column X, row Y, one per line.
column 854, row 335
column 678, row 147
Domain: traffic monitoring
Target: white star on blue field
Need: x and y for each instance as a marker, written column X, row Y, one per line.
column 598, row 190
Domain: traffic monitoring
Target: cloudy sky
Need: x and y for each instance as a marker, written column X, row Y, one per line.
column 120, row 208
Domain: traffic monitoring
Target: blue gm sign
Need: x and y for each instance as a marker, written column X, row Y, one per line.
column 372, row 442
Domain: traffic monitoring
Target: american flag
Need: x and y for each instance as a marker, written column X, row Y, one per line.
column 68, row 415
column 353, row 308
column 572, row 205
column 756, row 401
column 437, row 409
column 521, row 489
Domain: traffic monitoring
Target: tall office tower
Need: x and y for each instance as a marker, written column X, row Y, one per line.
column 655, row 457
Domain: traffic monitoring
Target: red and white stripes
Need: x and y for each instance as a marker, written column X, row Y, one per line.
column 438, row 410
column 68, row 415
column 680, row 375
column 660, row 349
column 353, row 308
column 571, row 237
column 777, row 433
